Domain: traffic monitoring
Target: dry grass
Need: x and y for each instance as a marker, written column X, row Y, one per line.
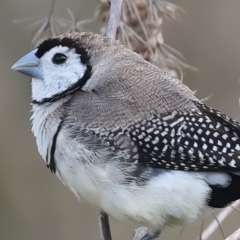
column 140, row 29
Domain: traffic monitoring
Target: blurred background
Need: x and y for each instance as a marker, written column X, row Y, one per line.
column 33, row 203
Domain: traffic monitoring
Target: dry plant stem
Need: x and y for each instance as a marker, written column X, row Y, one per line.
column 104, row 226
column 52, row 8
column 113, row 23
column 201, row 231
column 219, row 225
column 114, row 19
column 235, row 235
column 181, row 232
column 212, row 227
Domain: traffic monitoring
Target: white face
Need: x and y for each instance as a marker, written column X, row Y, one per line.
column 58, row 77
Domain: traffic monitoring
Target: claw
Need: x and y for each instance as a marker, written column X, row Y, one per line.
column 142, row 233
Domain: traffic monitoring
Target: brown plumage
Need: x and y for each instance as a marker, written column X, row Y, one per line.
column 127, row 136
column 122, row 80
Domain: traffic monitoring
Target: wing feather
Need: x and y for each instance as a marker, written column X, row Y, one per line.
column 201, row 140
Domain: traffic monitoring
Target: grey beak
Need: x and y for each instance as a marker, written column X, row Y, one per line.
column 28, row 65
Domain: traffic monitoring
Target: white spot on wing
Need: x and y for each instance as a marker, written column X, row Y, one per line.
column 232, row 163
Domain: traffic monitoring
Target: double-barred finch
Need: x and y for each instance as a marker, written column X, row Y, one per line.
column 127, row 136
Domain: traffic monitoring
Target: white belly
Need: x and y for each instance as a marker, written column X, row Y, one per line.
column 172, row 197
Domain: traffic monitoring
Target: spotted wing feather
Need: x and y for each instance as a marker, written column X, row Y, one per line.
column 201, row 140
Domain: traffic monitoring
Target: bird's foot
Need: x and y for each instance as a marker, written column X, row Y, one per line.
column 142, row 233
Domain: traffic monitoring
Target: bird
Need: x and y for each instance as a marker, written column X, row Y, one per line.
column 127, row 136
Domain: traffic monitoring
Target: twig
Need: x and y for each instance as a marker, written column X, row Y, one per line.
column 201, row 230
column 52, row 8
column 235, row 235
column 114, row 18
column 180, row 235
column 104, row 226
column 214, row 225
column 219, row 225
column 113, row 23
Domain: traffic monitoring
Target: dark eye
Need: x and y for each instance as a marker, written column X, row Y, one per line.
column 59, row 58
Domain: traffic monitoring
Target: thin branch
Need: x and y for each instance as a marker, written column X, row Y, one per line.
column 113, row 23
column 180, row 234
column 52, row 8
column 235, row 235
column 104, row 226
column 221, row 217
column 201, row 230
column 219, row 225
column 114, row 18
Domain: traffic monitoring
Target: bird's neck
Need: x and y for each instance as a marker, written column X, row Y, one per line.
column 45, row 120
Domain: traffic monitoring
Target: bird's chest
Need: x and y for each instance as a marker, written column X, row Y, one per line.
column 75, row 168
column 71, row 158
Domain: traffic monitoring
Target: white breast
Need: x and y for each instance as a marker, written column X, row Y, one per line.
column 45, row 120
column 173, row 197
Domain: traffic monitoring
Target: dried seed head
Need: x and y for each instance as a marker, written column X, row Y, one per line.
column 141, row 30
column 141, row 4
column 49, row 26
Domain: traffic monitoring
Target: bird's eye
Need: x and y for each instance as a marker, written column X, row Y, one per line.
column 59, row 58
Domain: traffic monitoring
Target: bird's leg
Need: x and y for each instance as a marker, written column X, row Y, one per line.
column 142, row 233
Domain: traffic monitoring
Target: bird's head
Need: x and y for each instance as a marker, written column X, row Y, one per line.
column 63, row 64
